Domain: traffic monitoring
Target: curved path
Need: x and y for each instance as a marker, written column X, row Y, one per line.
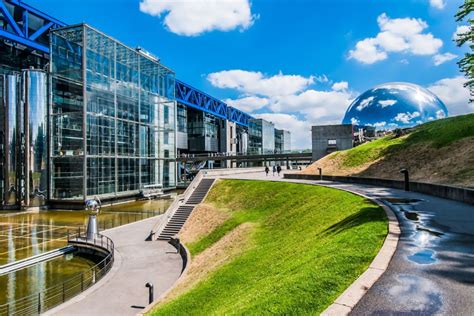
column 122, row 291
column 432, row 271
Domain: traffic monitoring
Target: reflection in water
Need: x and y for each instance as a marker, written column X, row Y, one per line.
column 423, row 257
column 26, row 234
column 417, row 295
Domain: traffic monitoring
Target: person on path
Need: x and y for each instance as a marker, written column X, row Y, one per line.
column 278, row 170
column 274, row 170
column 267, row 170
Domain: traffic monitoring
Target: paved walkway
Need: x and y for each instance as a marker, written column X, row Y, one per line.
column 432, row 271
column 122, row 291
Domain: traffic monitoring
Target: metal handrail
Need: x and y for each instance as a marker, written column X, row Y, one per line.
column 46, row 299
column 159, row 225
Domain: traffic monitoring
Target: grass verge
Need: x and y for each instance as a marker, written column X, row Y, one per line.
column 307, row 245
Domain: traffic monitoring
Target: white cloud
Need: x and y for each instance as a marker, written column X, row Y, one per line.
column 323, row 78
column 386, row 103
column 452, row 92
column 340, row 86
column 461, row 29
column 378, row 124
column 300, row 130
column 437, row 4
column 406, row 117
column 403, row 35
column 440, row 114
column 194, row 17
column 287, row 100
column 248, row 104
column 256, row 83
column 320, row 107
column 364, row 103
column 367, row 52
column 439, row 59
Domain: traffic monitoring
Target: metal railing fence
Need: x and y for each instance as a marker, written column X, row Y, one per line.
column 50, row 297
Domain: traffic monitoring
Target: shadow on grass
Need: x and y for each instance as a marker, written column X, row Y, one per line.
column 365, row 215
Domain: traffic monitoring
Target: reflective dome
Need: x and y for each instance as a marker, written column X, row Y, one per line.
column 393, row 105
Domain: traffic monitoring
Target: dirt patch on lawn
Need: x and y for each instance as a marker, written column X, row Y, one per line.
column 214, row 257
column 203, row 220
column 449, row 165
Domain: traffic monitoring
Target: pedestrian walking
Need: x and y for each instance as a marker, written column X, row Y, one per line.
column 267, row 170
column 274, row 170
column 278, row 170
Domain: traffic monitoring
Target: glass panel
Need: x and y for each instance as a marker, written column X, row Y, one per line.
column 100, row 176
column 67, row 177
column 130, row 119
column 66, row 53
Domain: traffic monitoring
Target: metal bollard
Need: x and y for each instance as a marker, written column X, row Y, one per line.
column 407, row 179
column 149, row 285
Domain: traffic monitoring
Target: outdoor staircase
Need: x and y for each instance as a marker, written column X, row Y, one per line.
column 200, row 192
column 178, row 219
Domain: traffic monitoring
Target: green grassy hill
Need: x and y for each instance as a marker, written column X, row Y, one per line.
column 280, row 248
column 441, row 151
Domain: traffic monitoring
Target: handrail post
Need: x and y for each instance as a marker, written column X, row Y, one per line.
column 39, row 303
column 64, row 294
column 82, row 282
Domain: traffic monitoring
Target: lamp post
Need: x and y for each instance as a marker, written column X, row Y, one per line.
column 320, row 173
column 151, row 295
column 407, row 178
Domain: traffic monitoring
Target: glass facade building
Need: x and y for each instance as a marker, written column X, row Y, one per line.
column 282, row 141
column 113, row 117
column 261, row 137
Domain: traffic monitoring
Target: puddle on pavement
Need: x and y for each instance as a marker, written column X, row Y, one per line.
column 429, row 231
column 413, row 216
column 398, row 201
column 413, row 295
column 423, row 257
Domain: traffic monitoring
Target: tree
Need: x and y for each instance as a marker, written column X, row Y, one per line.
column 466, row 64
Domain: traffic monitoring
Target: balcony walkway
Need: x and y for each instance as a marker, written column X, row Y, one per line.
column 122, row 291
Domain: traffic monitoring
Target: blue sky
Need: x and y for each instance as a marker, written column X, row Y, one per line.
column 294, row 62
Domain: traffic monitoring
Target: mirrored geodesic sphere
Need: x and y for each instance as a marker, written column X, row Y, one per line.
column 395, row 105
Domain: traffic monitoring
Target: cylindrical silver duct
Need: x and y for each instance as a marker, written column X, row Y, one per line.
column 12, row 141
column 2, row 137
column 35, row 123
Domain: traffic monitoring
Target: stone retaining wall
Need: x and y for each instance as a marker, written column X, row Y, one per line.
column 443, row 191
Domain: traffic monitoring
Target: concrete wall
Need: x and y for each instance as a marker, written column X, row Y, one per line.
column 323, row 133
column 443, row 191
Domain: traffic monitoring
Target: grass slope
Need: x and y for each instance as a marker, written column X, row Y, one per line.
column 441, row 151
column 307, row 246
